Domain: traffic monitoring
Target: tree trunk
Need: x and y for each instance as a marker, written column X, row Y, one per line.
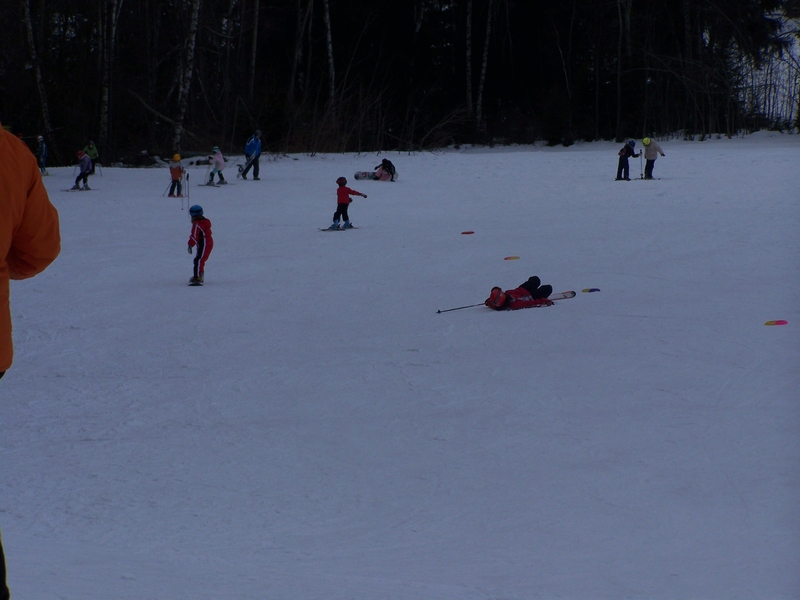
column 109, row 23
column 484, row 63
column 469, row 57
column 331, row 71
column 618, row 133
column 253, row 51
column 37, row 71
column 186, row 80
column 303, row 12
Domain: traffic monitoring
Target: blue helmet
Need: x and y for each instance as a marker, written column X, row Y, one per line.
column 196, row 210
column 632, row 143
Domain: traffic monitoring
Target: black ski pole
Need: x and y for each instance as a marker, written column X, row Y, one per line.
column 459, row 308
column 166, row 190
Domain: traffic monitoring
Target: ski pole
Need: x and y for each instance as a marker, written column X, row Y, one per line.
column 459, row 308
column 641, row 170
column 167, row 188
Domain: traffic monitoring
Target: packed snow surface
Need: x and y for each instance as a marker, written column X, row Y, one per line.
column 306, row 426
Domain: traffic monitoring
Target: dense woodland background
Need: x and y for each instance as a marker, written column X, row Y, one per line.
column 366, row 75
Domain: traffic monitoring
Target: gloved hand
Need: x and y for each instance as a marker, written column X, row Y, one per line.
column 364, row 195
column 190, row 249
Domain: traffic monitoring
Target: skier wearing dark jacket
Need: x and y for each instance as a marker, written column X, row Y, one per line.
column 627, row 152
column 529, row 294
column 252, row 151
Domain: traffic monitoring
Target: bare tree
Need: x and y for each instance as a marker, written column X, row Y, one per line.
column 331, row 70
column 253, row 50
column 109, row 18
column 37, row 70
column 479, row 103
column 186, row 76
column 469, row 57
column 303, row 12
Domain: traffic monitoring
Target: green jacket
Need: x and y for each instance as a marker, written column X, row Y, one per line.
column 91, row 151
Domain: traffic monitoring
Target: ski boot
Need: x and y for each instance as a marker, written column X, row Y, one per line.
column 86, row 187
column 347, row 225
column 335, row 225
column 75, row 187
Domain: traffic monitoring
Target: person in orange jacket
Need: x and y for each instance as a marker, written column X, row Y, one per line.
column 176, row 172
column 29, row 241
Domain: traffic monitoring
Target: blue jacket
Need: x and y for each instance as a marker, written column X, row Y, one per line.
column 253, row 146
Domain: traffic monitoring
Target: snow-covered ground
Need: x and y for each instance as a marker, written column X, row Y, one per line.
column 306, row 426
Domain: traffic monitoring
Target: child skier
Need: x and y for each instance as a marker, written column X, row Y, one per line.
column 85, row 165
column 651, row 152
column 623, row 171
column 343, row 200
column 531, row 293
column 217, row 165
column 176, row 171
column 200, row 237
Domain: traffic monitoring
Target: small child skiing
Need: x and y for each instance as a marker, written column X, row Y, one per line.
column 176, row 171
column 85, row 166
column 343, row 200
column 200, row 237
column 623, row 169
column 217, row 163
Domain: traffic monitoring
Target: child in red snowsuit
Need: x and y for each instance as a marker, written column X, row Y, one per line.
column 531, row 293
column 200, row 237
column 343, row 200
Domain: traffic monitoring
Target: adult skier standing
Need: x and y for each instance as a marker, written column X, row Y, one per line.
column 252, row 151
column 41, row 155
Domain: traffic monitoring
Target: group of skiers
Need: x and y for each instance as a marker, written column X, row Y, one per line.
column 651, row 152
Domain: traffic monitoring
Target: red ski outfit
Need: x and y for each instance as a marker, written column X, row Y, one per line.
column 201, row 237
column 529, row 294
column 343, row 200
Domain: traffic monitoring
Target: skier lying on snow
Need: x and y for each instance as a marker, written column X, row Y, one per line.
column 529, row 294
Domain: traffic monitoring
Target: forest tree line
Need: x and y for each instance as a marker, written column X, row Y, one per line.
column 367, row 75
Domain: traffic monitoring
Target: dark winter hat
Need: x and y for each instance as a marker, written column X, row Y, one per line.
column 341, row 181
column 91, row 143
column 632, row 143
column 196, row 210
column 258, row 133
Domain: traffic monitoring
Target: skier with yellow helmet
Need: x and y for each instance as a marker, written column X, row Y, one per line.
column 651, row 152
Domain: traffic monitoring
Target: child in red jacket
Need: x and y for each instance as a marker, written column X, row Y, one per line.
column 531, row 293
column 200, row 237
column 343, row 200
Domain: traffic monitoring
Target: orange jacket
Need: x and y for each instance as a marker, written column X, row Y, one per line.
column 29, row 232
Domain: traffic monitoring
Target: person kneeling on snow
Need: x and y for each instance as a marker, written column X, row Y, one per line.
column 385, row 171
column 529, row 294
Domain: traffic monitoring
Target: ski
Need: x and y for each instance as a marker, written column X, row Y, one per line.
column 195, row 284
column 80, row 190
column 562, row 295
column 337, row 229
